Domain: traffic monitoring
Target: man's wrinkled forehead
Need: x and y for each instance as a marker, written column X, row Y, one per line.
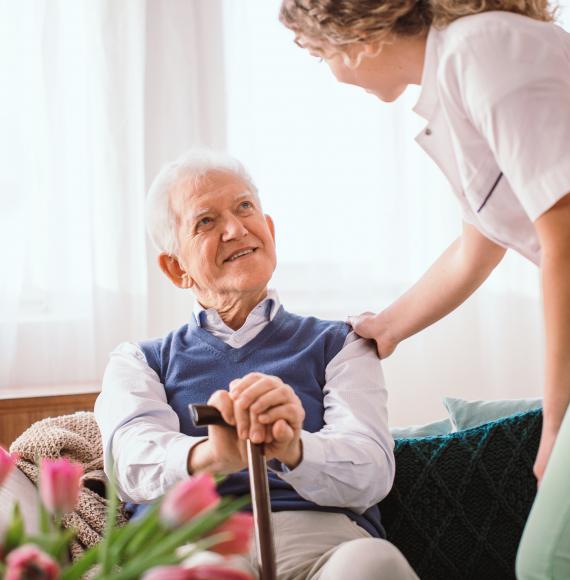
column 191, row 193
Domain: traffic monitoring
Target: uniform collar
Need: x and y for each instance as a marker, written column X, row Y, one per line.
column 428, row 98
column 264, row 311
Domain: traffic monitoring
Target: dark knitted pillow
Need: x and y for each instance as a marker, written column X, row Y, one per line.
column 460, row 501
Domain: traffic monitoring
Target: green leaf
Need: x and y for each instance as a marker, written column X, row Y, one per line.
column 123, row 537
column 164, row 551
column 61, row 544
column 149, row 528
column 136, row 568
column 80, row 567
column 45, row 520
column 15, row 533
column 113, row 503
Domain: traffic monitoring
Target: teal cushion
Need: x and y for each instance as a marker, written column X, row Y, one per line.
column 467, row 414
column 460, row 501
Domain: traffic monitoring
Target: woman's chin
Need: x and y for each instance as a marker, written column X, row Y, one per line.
column 387, row 96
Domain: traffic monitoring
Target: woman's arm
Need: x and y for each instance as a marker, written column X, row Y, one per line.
column 453, row 277
column 553, row 228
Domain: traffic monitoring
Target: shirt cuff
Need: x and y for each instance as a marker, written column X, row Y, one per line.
column 311, row 464
column 176, row 464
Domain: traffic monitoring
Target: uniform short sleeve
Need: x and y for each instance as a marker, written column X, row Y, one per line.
column 511, row 78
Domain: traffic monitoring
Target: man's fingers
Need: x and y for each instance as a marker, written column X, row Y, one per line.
column 282, row 432
column 241, row 410
column 242, row 421
column 290, row 412
column 257, row 431
column 246, row 396
column 271, row 399
column 237, row 386
column 221, row 400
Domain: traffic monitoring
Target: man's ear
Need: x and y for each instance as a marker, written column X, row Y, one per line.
column 271, row 225
column 174, row 271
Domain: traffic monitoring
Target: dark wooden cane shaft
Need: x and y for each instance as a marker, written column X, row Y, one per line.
column 203, row 415
column 261, row 510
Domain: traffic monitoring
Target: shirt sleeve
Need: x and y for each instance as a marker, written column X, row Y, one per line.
column 513, row 84
column 350, row 462
column 141, row 435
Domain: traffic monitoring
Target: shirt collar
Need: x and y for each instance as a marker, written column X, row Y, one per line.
column 265, row 310
column 427, row 100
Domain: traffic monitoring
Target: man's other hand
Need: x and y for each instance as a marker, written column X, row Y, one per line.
column 223, row 452
column 267, row 410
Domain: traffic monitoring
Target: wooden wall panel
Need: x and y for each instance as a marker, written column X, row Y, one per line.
column 17, row 414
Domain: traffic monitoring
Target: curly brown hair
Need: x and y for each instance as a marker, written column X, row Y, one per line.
column 337, row 26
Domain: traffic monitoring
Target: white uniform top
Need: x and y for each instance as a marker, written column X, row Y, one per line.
column 496, row 95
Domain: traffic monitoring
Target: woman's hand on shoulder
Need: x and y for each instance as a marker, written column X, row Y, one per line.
column 375, row 327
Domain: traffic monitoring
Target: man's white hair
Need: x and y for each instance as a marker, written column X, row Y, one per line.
column 193, row 166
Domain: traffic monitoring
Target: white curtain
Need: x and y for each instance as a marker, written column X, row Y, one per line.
column 96, row 96
column 361, row 212
column 75, row 103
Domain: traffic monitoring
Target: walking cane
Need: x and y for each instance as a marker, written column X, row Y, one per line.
column 203, row 415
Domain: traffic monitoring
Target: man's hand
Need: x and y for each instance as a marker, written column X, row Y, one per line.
column 267, row 410
column 223, row 452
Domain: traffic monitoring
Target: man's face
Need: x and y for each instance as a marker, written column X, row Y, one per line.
column 227, row 244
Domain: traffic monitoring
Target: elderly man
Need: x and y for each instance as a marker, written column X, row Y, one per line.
column 311, row 389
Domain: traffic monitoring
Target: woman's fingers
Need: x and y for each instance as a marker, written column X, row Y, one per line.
column 375, row 327
column 364, row 324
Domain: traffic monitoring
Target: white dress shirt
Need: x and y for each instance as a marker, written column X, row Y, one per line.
column 496, row 95
column 348, row 463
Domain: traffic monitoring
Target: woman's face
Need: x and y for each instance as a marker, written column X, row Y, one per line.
column 385, row 73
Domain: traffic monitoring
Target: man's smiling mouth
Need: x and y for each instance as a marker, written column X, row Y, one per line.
column 240, row 254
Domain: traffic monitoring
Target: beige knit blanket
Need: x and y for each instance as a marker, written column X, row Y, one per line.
column 76, row 437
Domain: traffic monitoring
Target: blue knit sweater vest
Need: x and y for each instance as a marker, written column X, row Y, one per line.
column 192, row 363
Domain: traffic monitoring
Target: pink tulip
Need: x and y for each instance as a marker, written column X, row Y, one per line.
column 166, row 573
column 216, row 572
column 7, row 463
column 203, row 572
column 188, row 499
column 28, row 561
column 60, row 484
column 240, row 525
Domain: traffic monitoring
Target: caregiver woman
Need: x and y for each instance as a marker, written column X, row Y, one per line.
column 495, row 79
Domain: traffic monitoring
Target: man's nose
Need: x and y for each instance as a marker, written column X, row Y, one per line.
column 234, row 229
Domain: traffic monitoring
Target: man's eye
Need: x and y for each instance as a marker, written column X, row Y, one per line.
column 246, row 205
column 205, row 221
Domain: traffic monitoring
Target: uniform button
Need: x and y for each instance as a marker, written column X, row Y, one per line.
column 428, row 131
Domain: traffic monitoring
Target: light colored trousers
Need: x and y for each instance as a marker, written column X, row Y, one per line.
column 329, row 546
column 544, row 552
